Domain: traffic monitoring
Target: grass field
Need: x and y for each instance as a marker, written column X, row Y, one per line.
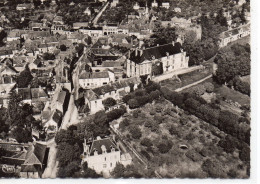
column 188, row 78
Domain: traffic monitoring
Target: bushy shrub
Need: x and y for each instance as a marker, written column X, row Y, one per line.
column 146, row 142
column 165, row 146
column 209, row 87
column 133, row 103
column 135, row 132
column 199, row 90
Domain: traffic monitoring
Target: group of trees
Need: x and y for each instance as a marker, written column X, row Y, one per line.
column 18, row 119
column 161, row 35
column 233, row 62
column 202, row 88
column 25, row 78
column 224, row 120
column 69, row 144
column 142, row 96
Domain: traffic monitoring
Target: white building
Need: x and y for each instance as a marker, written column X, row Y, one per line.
column 88, row 80
column 95, row 32
column 166, row 5
column 102, row 155
column 233, row 35
column 114, row 3
column 136, row 6
column 154, row 4
column 145, row 61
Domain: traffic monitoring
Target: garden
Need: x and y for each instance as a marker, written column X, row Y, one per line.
column 177, row 144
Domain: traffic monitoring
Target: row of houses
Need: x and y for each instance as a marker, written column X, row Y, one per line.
column 233, row 35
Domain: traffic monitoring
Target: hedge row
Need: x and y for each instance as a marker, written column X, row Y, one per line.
column 224, row 120
column 142, row 96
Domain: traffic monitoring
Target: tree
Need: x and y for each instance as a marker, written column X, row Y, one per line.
column 165, row 146
column 109, row 102
column 118, row 171
column 69, row 170
column 146, row 142
column 209, row 87
column 133, row 103
column 25, row 77
column 199, row 90
column 63, row 48
column 135, row 132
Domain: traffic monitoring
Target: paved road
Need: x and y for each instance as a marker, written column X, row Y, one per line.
column 95, row 20
column 52, row 165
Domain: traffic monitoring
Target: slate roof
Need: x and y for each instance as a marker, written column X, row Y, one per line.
column 95, row 75
column 90, row 95
column 30, row 168
column 61, row 97
column 38, row 93
column 108, row 143
column 25, row 93
column 157, row 52
column 111, row 64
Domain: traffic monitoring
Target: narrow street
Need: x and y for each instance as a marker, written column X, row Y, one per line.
column 52, row 165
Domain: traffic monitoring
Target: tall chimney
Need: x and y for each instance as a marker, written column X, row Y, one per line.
column 136, row 52
column 173, row 43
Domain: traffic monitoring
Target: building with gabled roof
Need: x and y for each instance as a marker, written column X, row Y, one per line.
column 102, row 155
column 233, row 35
column 143, row 61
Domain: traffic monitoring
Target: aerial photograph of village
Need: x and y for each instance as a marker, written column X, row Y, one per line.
column 125, row 89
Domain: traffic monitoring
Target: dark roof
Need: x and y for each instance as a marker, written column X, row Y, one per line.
column 108, row 143
column 39, row 151
column 95, row 75
column 56, row 117
column 30, row 168
column 157, row 52
column 38, row 93
column 61, row 97
column 25, row 93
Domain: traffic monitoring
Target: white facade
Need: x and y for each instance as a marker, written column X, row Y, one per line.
column 154, row 4
column 166, row 5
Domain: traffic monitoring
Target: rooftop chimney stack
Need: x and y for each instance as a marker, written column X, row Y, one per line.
column 136, row 52
column 173, row 43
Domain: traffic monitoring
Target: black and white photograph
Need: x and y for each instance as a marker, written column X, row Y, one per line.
column 126, row 89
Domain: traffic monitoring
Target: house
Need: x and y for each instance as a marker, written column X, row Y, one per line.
column 58, row 20
column 30, row 158
column 136, row 6
column 233, row 35
column 154, row 4
column 114, row 3
column 24, row 6
column 109, row 29
column 102, row 155
column 93, row 101
column 94, row 32
column 166, row 5
column 78, row 25
column 53, row 122
column 165, row 58
column 35, row 161
column 87, row 11
column 60, row 101
column 95, row 79
column 6, row 54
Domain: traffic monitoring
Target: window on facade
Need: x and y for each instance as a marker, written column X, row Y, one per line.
column 105, row 159
column 104, row 165
column 111, row 164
